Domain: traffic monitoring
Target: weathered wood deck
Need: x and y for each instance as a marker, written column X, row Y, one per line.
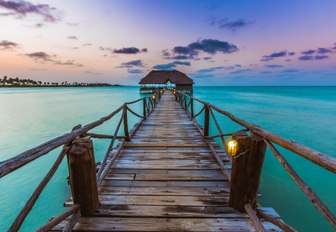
column 166, row 179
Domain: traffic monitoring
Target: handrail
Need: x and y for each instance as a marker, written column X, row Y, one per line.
column 26, row 157
column 322, row 160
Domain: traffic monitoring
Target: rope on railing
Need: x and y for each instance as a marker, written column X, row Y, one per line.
column 199, row 112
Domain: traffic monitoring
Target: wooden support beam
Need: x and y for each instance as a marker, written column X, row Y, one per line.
column 246, row 170
column 144, row 108
column 127, row 138
column 52, row 223
column 192, row 107
column 206, row 121
column 254, row 218
column 279, row 223
column 82, row 169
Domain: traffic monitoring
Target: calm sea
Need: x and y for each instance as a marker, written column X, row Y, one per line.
column 30, row 116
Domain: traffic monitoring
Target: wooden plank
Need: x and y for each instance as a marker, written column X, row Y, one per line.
column 165, row 224
column 167, row 175
column 164, row 191
column 165, row 200
column 189, row 184
column 168, row 211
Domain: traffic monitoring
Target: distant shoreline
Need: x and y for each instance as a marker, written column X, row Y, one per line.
column 55, row 86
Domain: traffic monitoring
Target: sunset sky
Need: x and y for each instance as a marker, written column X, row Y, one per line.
column 231, row 42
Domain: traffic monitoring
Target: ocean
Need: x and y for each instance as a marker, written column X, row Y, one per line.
column 30, row 116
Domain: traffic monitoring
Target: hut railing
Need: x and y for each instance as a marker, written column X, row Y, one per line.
column 66, row 140
column 325, row 161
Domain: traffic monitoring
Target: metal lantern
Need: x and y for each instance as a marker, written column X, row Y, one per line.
column 232, row 147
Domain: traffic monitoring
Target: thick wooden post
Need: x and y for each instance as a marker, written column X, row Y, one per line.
column 185, row 103
column 206, row 121
column 246, row 170
column 144, row 108
column 127, row 138
column 192, row 107
column 82, row 169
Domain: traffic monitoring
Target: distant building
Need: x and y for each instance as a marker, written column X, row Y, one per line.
column 160, row 79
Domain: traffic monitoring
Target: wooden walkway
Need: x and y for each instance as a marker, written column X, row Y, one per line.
column 166, row 179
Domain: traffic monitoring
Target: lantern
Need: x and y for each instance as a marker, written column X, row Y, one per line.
column 153, row 97
column 232, row 147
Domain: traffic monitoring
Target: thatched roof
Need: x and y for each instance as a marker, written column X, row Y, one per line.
column 163, row 76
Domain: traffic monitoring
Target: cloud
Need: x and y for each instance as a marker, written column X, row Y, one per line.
column 132, row 63
column 274, row 55
column 273, row 66
column 22, row 8
column 72, row 37
column 323, row 50
column 232, row 25
column 171, row 65
column 8, row 45
column 310, row 58
column 69, row 63
column 92, row 72
column 291, row 53
column 87, row 44
column 129, row 50
column 241, row 71
column 212, row 69
column 308, row 52
column 134, row 71
column 39, row 56
column 321, row 57
column 45, row 57
column 289, row 70
column 265, row 72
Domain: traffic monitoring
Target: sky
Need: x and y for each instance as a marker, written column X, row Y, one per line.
column 231, row 42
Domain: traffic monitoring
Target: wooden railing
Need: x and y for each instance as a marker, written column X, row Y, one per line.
column 67, row 141
column 268, row 139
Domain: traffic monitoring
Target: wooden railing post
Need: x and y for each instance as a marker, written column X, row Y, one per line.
column 192, row 107
column 185, row 103
column 206, row 120
column 246, row 170
column 82, row 169
column 127, row 137
column 144, row 108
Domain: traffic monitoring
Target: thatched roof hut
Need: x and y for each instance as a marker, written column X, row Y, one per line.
column 159, row 79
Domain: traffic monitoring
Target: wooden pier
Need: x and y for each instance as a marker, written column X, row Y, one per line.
column 166, row 179
column 167, row 173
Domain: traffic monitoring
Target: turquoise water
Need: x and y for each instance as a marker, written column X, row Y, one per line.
column 30, row 116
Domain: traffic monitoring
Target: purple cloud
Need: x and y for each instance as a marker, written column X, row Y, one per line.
column 72, row 37
column 273, row 66
column 321, row 57
column 274, row 55
column 170, row 66
column 7, row 45
column 233, row 25
column 310, row 58
column 69, row 63
column 290, row 70
column 210, row 46
column 22, row 8
column 129, row 50
column 241, row 71
column 132, row 63
column 323, row 50
column 134, row 71
column 308, row 52
column 39, row 56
